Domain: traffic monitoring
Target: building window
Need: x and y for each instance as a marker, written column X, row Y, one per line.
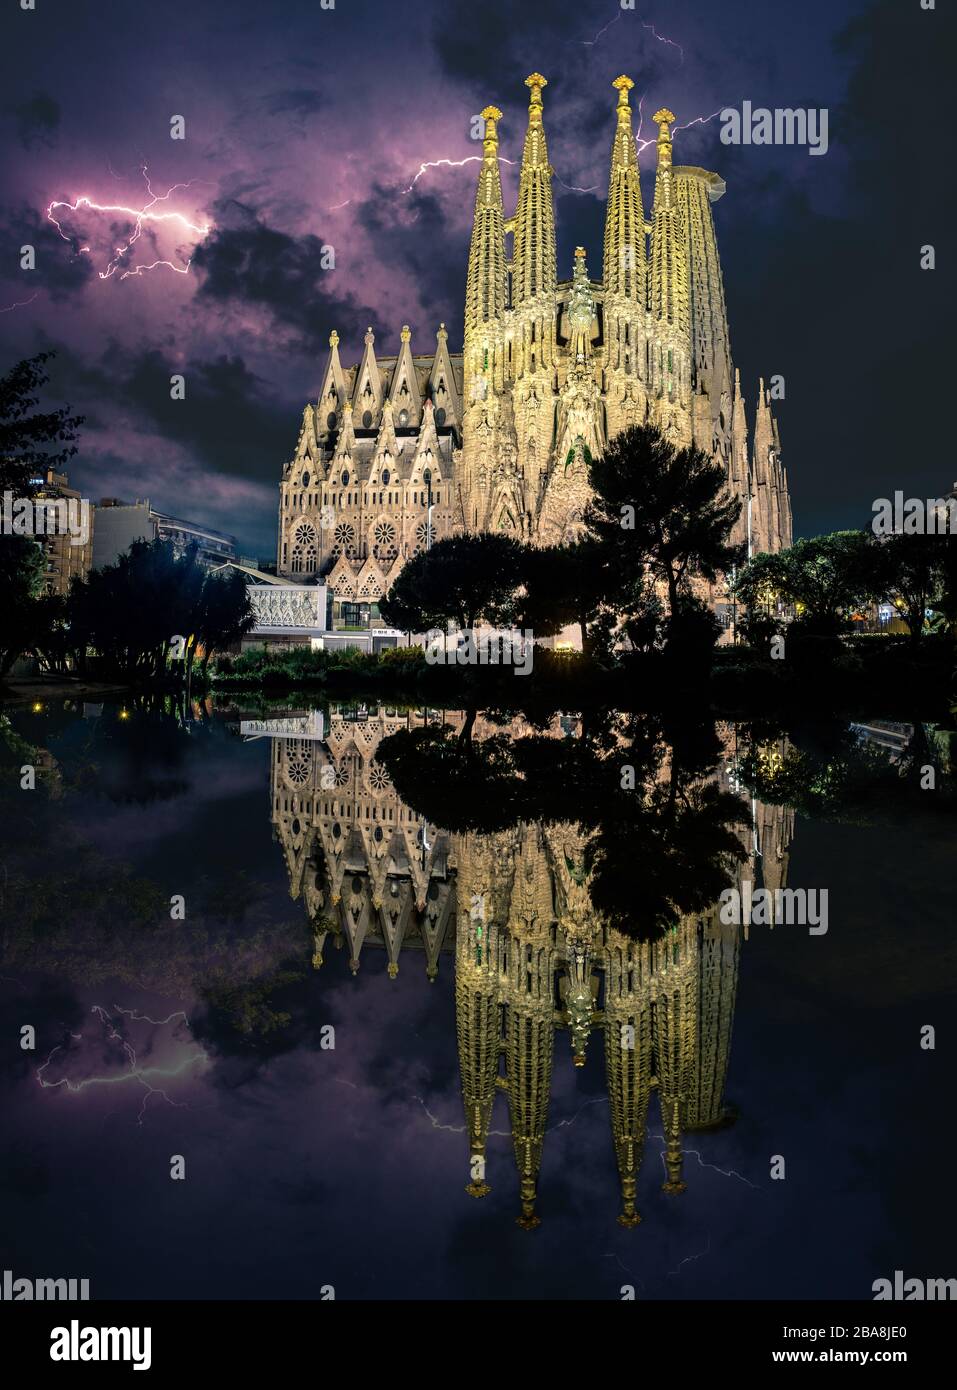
column 305, row 549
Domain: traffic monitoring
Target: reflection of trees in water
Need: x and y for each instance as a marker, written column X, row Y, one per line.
column 536, row 825
column 660, row 829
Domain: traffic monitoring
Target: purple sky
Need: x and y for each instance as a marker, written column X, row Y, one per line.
column 308, row 127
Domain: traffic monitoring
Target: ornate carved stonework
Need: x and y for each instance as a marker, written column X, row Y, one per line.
column 499, row 437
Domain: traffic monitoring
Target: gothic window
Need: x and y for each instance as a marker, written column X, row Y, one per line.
column 403, row 417
column 305, row 549
column 331, row 419
column 384, row 538
column 386, row 475
column 367, row 419
column 440, row 417
column 379, row 781
column 345, row 539
column 305, row 479
column 298, row 761
column 345, row 477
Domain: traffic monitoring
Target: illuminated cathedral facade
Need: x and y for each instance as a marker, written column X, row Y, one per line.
column 400, row 450
column 511, row 913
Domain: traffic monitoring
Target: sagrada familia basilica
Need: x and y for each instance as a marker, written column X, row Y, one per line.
column 499, row 437
column 511, row 915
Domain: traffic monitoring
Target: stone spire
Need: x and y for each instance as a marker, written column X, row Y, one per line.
column 442, row 384
column 367, row 397
column 404, row 391
column 534, row 261
column 694, row 192
column 485, row 281
column 625, row 267
column 333, row 391
column 669, row 283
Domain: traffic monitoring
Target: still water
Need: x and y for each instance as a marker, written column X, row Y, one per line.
column 516, row 1032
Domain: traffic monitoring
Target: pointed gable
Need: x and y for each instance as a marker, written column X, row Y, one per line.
column 368, row 392
column 386, row 453
column 427, row 455
column 333, row 391
column 404, row 391
column 443, row 389
column 346, row 443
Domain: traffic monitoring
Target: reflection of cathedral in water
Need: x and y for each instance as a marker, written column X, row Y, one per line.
column 532, row 957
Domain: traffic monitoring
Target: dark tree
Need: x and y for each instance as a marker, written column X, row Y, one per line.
column 660, row 511
column 22, row 566
column 566, row 584
column 825, row 578
column 32, row 440
column 462, row 578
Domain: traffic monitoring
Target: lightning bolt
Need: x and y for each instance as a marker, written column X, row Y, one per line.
column 136, row 1072
column 575, row 188
column 700, row 120
column 452, row 164
column 725, row 1172
column 20, row 304
column 590, row 43
column 672, row 1273
column 139, row 217
column 661, row 38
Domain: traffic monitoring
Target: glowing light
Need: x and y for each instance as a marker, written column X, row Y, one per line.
column 590, row 43
column 575, row 188
column 136, row 1072
column 452, row 164
column 661, row 38
column 20, row 304
column 699, row 120
column 140, row 217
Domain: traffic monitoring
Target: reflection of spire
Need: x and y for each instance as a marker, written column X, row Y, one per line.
column 675, row 1031
column 717, row 987
column 530, row 1030
column 628, row 1060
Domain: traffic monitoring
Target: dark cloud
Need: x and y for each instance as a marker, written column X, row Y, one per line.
column 38, row 121
column 60, row 270
column 496, row 45
column 294, row 101
column 418, row 239
column 246, row 262
column 229, row 418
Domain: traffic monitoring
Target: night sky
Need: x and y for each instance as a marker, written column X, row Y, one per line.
column 308, row 128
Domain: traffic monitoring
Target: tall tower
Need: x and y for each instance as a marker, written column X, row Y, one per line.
column 533, row 271
column 695, row 190
column 485, row 281
column 670, row 355
column 499, row 438
column 625, row 276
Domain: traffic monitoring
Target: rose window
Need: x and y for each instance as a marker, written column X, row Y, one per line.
column 422, row 534
column 297, row 769
column 304, row 548
column 384, row 534
column 345, row 538
column 378, row 778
